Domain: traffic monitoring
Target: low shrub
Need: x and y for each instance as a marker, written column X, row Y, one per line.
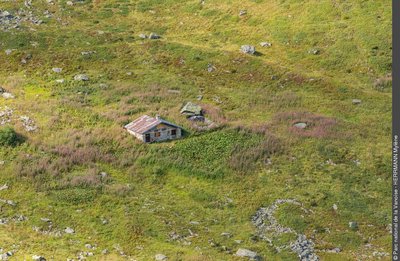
column 8, row 137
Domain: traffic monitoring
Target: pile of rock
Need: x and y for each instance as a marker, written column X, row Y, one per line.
column 10, row 21
column 193, row 112
column 267, row 225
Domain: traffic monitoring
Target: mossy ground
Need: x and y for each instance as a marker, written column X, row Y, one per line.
column 218, row 178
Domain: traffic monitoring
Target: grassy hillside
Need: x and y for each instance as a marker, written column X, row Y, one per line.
column 177, row 198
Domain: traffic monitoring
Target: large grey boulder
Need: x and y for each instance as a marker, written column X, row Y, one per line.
column 190, row 109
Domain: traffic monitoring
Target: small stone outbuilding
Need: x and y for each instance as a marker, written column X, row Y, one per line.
column 149, row 129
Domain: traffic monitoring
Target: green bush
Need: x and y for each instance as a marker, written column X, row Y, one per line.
column 8, row 137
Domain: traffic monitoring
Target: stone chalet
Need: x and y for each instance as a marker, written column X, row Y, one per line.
column 149, row 129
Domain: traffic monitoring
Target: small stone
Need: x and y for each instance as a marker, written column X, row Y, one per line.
column 242, row 252
column 335, row 207
column 266, row 44
column 154, row 36
column 84, row 53
column 70, row 3
column 57, row 70
column 199, row 97
column 356, row 101
column 300, row 125
column 45, row 219
column 105, row 251
column 353, row 225
column 4, row 187
column 226, row 234
column 8, row 51
column 314, row 51
column 60, row 81
column 38, row 258
column 211, row 68
column 242, row 12
column 69, row 230
column 238, row 241
column 160, row 257
column 248, row 49
column 194, row 222
column 143, row 36
column 81, row 77
column 7, row 95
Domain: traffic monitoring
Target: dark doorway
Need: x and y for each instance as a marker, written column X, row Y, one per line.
column 147, row 137
column 173, row 132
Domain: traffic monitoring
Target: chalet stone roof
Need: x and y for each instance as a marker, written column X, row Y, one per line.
column 146, row 123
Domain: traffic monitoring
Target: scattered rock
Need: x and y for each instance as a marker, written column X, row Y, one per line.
column 60, row 81
column 8, row 202
column 81, row 77
column 242, row 252
column 28, row 123
column 38, row 258
column 105, row 251
column 333, row 250
column 47, row 220
column 57, row 70
column 197, row 118
column 4, row 187
column 226, row 234
column 266, row 44
column 160, row 257
column 69, row 230
column 70, row 3
column 267, row 226
column 237, row 241
column 89, row 246
column 211, row 68
column 242, row 12
column 248, row 49
column 194, row 223
column 6, row 115
column 353, row 225
column 143, row 36
column 335, row 207
column 300, row 125
column 314, row 51
column 174, row 91
column 154, row 36
column 8, row 51
column 356, row 101
column 304, row 249
column 85, row 53
column 7, row 95
column 199, row 97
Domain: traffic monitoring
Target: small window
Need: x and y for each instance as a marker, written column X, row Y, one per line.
column 156, row 134
column 173, row 132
